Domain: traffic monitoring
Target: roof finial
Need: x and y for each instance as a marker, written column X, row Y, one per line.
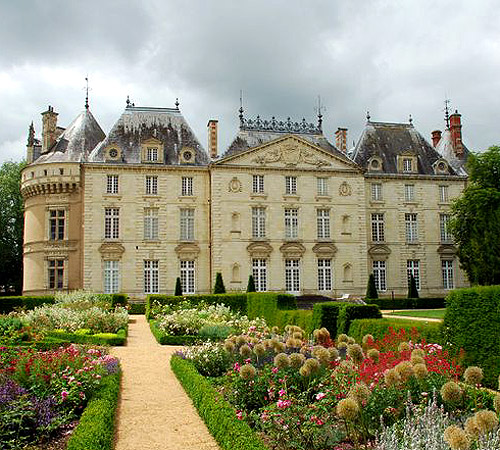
column 320, row 116
column 368, row 116
column 447, row 111
column 31, row 135
column 128, row 102
column 177, row 103
column 87, row 92
column 410, row 119
column 242, row 120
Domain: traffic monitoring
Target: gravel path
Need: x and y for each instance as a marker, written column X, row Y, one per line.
column 154, row 411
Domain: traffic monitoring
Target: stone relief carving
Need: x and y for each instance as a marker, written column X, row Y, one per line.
column 345, row 189
column 291, row 155
column 235, row 185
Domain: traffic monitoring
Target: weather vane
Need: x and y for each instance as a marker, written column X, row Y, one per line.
column 320, row 116
column 447, row 111
column 87, row 92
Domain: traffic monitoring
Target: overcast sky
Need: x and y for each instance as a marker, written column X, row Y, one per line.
column 393, row 58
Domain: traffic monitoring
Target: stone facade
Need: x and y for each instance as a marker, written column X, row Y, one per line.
column 132, row 211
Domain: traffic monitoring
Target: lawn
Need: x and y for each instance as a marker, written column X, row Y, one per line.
column 426, row 313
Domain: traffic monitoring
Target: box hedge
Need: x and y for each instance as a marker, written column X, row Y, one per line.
column 96, row 429
column 136, row 308
column 165, row 339
column 301, row 318
column 336, row 317
column 119, row 300
column 7, row 304
column 378, row 328
column 268, row 304
column 472, row 323
column 218, row 415
column 408, row 303
column 113, row 339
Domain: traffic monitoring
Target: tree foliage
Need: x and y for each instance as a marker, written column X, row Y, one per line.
column 178, row 286
column 11, row 228
column 219, row 284
column 412, row 287
column 371, row 288
column 251, row 284
column 475, row 221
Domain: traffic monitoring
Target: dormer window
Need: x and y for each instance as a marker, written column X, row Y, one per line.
column 407, row 165
column 441, row 167
column 407, row 162
column 152, row 154
column 375, row 164
column 111, row 153
column 187, row 156
column 152, row 151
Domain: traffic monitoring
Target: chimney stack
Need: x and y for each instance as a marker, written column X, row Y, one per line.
column 49, row 125
column 456, row 133
column 212, row 138
column 436, row 137
column 341, row 139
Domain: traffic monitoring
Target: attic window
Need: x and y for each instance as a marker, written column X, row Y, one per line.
column 407, row 165
column 187, row 156
column 441, row 167
column 152, row 154
column 375, row 163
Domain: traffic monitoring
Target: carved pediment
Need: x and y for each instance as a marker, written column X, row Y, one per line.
column 291, row 153
column 379, row 251
column 325, row 250
column 447, row 250
column 259, row 249
column 187, row 251
column 111, row 250
column 292, row 250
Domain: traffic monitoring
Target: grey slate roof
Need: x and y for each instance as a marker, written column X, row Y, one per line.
column 76, row 142
column 137, row 124
column 388, row 140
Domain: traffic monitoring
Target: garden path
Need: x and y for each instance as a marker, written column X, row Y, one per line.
column 409, row 316
column 154, row 411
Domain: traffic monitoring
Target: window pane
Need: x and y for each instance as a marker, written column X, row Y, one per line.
column 259, row 272
column 379, row 273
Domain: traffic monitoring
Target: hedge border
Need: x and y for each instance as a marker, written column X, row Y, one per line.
column 96, row 429
column 112, row 339
column 218, row 415
column 408, row 303
column 137, row 308
column 7, row 304
column 164, row 339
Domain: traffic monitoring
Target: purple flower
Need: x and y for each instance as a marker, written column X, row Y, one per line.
column 10, row 391
column 45, row 410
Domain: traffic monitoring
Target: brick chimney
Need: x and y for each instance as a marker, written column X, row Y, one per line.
column 456, row 133
column 212, row 138
column 341, row 139
column 49, row 125
column 436, row 137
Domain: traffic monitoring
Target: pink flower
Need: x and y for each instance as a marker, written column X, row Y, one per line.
column 274, row 370
column 236, row 367
column 319, row 422
column 281, row 392
column 239, row 414
column 82, row 395
column 64, row 395
column 320, row 395
column 283, row 404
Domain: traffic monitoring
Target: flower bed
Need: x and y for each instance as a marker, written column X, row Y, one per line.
column 42, row 393
column 300, row 394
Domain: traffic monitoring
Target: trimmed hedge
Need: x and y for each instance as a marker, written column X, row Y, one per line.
column 408, row 303
column 218, row 415
column 96, row 429
column 137, row 308
column 237, row 302
column 268, row 305
column 301, row 318
column 430, row 331
column 7, row 304
column 98, row 339
column 119, row 299
column 164, row 339
column 472, row 322
column 336, row 317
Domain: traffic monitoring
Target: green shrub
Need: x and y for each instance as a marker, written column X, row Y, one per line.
column 214, row 332
column 301, row 318
column 408, row 303
column 178, row 287
column 430, row 331
column 136, row 308
column 96, row 428
column 267, row 305
column 251, row 284
column 164, row 339
column 7, row 304
column 371, row 288
column 78, row 337
column 471, row 322
column 336, row 317
column 412, row 287
column 119, row 300
column 219, row 287
column 218, row 415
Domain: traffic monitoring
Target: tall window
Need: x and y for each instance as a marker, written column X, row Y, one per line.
column 323, row 223
column 407, row 165
column 152, row 154
column 112, row 184
column 409, row 192
column 187, row 186
column 56, row 273
column 292, row 275
column 57, row 221
column 259, row 272
column 291, row 223
column 151, row 276
column 324, row 274
column 443, row 194
column 111, row 277
column 444, row 221
column 111, row 223
column 150, row 224
column 258, row 222
column 187, row 277
column 376, row 191
column 379, row 273
column 447, row 271
column 378, row 227
column 187, row 225
column 151, row 185
column 322, row 184
column 291, row 185
column 258, row 184
column 411, row 227
column 413, row 268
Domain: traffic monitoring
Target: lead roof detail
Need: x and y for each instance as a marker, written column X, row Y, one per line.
column 137, row 125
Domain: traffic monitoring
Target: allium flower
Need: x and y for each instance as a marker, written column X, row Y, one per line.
column 281, row 360
column 471, row 427
column 334, row 353
column 367, row 338
column 415, row 359
column 496, row 403
column 347, row 409
column 259, row 350
column 391, row 377
column 279, row 347
column 322, row 354
column 297, row 335
column 341, row 345
column 473, row 375
column 229, row 346
column 486, row 421
column 296, row 360
column 305, row 371
column 456, row 438
column 248, row 372
column 420, row 371
column 342, row 338
column 373, row 354
column 404, row 369
column 418, row 352
column 245, row 351
column 360, row 393
column 275, row 330
column 403, row 347
column 240, row 340
column 451, row 392
column 313, row 364
column 356, row 353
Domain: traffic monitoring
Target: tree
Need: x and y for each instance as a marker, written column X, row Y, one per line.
column 219, row 284
column 178, row 286
column 251, row 284
column 412, row 287
column 475, row 223
column 11, row 228
column 371, row 288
